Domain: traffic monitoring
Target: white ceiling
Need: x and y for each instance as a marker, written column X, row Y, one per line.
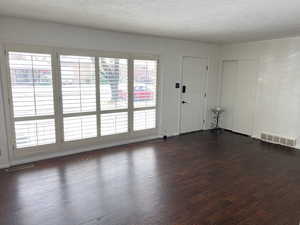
column 218, row 21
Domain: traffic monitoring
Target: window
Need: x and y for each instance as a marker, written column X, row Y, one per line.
column 144, row 94
column 144, row 119
column 34, row 132
column 113, row 73
column 32, row 98
column 87, row 97
column 78, row 82
column 144, row 83
column 113, row 83
column 114, row 123
column 80, row 127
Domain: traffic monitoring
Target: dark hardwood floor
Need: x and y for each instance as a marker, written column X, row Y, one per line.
column 196, row 179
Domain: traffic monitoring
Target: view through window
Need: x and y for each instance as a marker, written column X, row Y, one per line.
column 94, row 101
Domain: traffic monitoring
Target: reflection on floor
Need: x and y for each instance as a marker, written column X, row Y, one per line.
column 200, row 178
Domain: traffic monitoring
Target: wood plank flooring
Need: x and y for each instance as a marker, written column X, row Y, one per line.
column 195, row 179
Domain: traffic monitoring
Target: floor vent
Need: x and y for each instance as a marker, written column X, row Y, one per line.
column 290, row 142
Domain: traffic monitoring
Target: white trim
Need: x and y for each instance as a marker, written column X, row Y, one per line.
column 130, row 79
column 78, row 51
column 58, row 99
column 144, row 108
column 98, row 104
column 113, row 111
column 79, row 114
column 158, row 101
column 27, row 118
column 4, row 165
column 4, row 153
column 79, row 150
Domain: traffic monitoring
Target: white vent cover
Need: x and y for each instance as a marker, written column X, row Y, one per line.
column 290, row 142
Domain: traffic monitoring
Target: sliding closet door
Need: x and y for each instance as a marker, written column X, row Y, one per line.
column 228, row 95
column 245, row 97
column 238, row 95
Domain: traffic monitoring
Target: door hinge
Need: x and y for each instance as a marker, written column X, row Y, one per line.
column 207, row 68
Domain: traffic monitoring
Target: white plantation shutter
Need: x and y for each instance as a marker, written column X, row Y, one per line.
column 32, row 98
column 78, row 82
column 35, row 132
column 144, row 90
column 80, row 127
column 87, row 97
column 144, row 119
column 114, row 123
column 113, row 74
column 144, row 94
column 113, row 83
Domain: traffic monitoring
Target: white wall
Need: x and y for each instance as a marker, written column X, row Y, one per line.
column 3, row 138
column 171, row 52
column 277, row 109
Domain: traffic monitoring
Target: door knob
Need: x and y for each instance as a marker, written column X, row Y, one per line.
column 183, row 102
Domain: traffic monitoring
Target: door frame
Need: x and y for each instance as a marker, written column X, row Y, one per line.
column 205, row 89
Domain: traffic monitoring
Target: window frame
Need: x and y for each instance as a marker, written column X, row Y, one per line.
column 65, row 115
column 9, row 100
column 66, row 146
column 103, row 112
column 157, row 101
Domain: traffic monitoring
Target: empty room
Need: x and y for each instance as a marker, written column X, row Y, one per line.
column 131, row 112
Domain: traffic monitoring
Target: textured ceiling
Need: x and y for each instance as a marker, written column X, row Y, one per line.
column 217, row 21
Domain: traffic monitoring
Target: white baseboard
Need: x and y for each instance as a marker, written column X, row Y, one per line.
column 172, row 135
column 4, row 165
column 79, row 150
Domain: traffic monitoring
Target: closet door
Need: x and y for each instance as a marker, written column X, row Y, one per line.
column 245, row 97
column 228, row 94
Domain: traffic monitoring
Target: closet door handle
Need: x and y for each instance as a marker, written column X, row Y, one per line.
column 183, row 89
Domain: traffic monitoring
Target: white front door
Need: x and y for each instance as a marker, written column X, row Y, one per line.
column 192, row 93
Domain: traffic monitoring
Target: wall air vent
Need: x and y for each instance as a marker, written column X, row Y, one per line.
column 290, row 142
